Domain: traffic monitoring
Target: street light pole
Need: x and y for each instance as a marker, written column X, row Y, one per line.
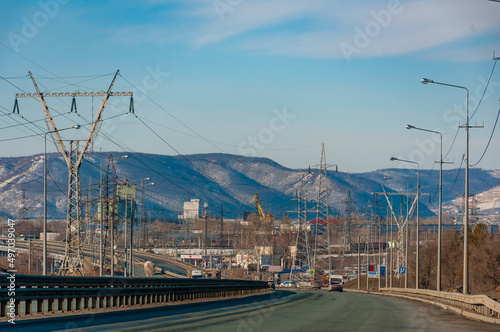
column 440, row 215
column 44, row 269
column 466, row 189
column 418, row 215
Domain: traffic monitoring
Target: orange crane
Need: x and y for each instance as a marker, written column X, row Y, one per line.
column 266, row 216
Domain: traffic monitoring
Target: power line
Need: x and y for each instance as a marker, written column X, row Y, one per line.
column 221, row 143
column 31, row 122
column 456, row 177
column 175, row 118
column 489, row 141
column 182, row 156
column 83, row 118
column 477, row 107
column 428, row 174
column 485, row 88
column 452, row 143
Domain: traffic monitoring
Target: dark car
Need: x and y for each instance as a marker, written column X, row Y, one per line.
column 336, row 286
column 271, row 283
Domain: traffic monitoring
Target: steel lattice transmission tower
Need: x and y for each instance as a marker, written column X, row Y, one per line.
column 92, row 235
column 23, row 210
column 347, row 225
column 401, row 223
column 109, row 215
column 302, row 255
column 72, row 263
column 322, row 236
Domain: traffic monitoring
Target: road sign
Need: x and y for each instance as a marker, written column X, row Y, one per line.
column 402, row 270
column 311, row 272
column 382, row 271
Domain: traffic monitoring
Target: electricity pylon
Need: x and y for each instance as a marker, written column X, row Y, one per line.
column 72, row 263
column 302, row 255
column 109, row 215
column 322, row 236
column 347, row 225
column 401, row 223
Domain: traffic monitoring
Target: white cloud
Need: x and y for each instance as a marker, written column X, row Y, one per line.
column 253, row 15
column 316, row 28
column 266, row 27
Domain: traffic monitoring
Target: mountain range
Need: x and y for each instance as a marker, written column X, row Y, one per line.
column 229, row 182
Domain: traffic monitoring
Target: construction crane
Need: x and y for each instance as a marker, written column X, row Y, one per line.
column 266, row 216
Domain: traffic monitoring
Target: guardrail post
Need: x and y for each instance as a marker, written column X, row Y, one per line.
column 51, row 305
column 39, row 305
column 27, row 306
column 82, row 303
column 76, row 304
column 62, row 304
column 3, row 308
column 17, row 308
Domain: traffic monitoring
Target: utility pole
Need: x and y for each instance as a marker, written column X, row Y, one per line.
column 206, row 227
column 72, row 263
column 466, row 181
column 367, row 264
column 347, row 224
column 131, row 255
column 221, row 228
column 359, row 263
column 125, row 242
column 379, row 253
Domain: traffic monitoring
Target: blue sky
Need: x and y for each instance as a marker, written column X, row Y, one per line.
column 260, row 78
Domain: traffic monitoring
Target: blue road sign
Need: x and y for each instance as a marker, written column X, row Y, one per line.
column 402, row 270
column 382, row 271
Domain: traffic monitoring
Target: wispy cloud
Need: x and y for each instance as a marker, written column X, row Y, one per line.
column 315, row 28
column 268, row 26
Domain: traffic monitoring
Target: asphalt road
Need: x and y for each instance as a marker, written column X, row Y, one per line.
column 275, row 311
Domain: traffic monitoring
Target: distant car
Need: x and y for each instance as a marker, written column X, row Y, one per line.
column 316, row 285
column 290, row 284
column 336, row 286
column 271, row 283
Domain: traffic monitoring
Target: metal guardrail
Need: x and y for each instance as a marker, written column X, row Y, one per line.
column 27, row 294
column 60, row 247
column 479, row 307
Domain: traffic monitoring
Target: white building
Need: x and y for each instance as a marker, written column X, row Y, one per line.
column 191, row 210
